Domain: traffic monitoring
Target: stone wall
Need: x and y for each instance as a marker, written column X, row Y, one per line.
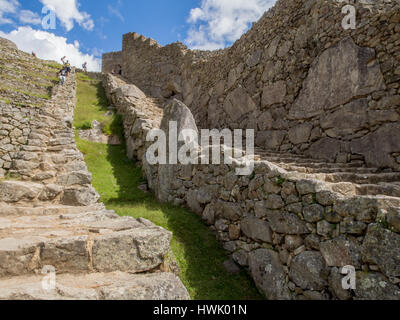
column 291, row 233
column 111, row 61
column 305, row 84
column 14, row 131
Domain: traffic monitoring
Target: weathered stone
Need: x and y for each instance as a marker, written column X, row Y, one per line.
column 270, row 139
column 293, row 242
column 231, row 211
column 325, row 148
column 324, row 228
column 286, row 223
column 238, row 103
column 313, row 213
column 347, row 120
column 254, row 59
column 222, row 225
column 341, row 252
column 209, row 214
column 265, row 121
column 256, row 229
column 300, row 133
column 241, row 257
column 336, row 286
column 259, row 209
column 234, row 232
column 306, row 186
column 373, row 286
column 339, row 74
column 378, row 146
column 273, row 94
column 267, row 271
column 193, row 203
column 14, row 191
column 274, row 202
column 135, row 251
column 308, row 270
column 353, row 227
column 80, row 196
column 124, row 286
column 68, row 254
column 393, row 219
column 75, row 178
column 381, row 248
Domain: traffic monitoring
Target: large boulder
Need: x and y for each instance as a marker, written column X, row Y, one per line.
column 14, row 191
column 268, row 274
column 286, row 223
column 341, row 252
column 309, row 271
column 176, row 111
column 341, row 73
column 80, row 196
column 238, row 103
column 137, row 250
column 274, row 93
column 381, row 247
column 378, row 146
column 374, row 286
column 256, row 229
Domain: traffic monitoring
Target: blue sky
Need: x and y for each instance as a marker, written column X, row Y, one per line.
column 87, row 28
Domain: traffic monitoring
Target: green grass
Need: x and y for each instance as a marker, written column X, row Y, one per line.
column 116, row 178
column 92, row 105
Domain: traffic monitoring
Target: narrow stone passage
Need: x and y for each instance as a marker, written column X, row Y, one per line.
column 199, row 255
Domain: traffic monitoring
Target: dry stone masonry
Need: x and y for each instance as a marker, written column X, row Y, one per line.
column 325, row 191
column 50, row 217
column 306, row 85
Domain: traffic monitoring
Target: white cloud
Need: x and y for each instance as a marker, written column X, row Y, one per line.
column 7, row 7
column 115, row 10
column 68, row 13
column 219, row 22
column 51, row 47
column 29, row 17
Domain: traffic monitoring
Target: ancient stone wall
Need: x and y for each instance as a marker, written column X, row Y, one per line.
column 305, row 84
column 14, row 132
column 292, row 233
column 111, row 61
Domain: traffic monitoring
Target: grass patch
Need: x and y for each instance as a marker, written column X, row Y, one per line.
column 6, row 101
column 116, row 178
column 92, row 105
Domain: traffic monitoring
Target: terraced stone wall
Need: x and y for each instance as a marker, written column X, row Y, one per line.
column 25, row 86
column 14, row 132
column 305, row 84
column 292, row 234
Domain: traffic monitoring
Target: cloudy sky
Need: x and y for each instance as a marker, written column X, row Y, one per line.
column 83, row 29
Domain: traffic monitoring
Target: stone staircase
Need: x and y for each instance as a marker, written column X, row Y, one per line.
column 349, row 179
column 50, row 219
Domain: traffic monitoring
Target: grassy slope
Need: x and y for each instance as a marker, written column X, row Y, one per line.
column 116, row 178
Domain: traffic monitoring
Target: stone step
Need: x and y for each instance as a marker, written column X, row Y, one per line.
column 47, row 209
column 314, row 168
column 363, row 178
column 95, row 286
column 75, row 243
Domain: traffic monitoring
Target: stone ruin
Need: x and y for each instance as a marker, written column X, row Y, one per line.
column 325, row 105
column 51, row 222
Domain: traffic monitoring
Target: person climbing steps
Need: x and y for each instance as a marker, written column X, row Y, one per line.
column 63, row 75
